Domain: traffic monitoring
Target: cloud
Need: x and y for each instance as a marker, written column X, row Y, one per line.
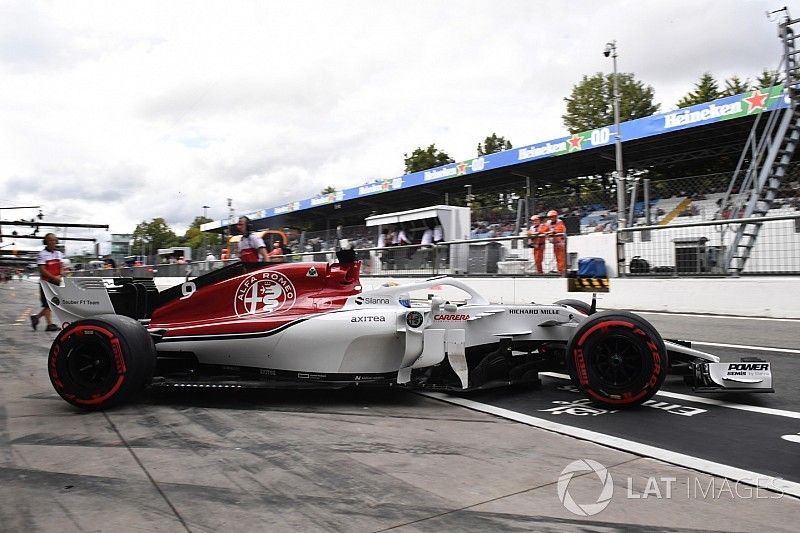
column 117, row 113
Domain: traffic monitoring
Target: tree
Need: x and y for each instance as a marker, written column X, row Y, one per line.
column 734, row 85
column 590, row 105
column 705, row 90
column 196, row 239
column 423, row 159
column 150, row 236
column 767, row 78
column 330, row 189
column 493, row 144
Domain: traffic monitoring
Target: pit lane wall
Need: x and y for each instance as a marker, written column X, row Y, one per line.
column 773, row 297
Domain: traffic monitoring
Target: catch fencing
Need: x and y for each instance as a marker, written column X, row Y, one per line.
column 700, row 248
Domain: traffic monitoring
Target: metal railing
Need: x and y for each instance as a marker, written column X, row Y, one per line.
column 698, row 248
column 502, row 256
column 694, row 248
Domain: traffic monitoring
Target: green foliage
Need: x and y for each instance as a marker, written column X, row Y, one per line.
column 151, row 236
column 197, row 239
column 767, row 78
column 423, row 159
column 705, row 90
column 590, row 105
column 493, row 144
column 734, row 85
column 330, row 189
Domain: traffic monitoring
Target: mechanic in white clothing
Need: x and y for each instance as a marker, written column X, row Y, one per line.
column 438, row 232
column 50, row 262
column 251, row 246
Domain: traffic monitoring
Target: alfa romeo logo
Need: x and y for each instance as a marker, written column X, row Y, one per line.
column 585, row 509
column 414, row 319
column 263, row 293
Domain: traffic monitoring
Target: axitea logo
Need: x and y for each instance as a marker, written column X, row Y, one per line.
column 368, row 319
column 606, row 492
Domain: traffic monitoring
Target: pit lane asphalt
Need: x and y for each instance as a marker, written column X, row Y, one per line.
column 355, row 460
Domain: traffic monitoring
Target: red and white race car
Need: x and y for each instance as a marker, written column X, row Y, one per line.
column 312, row 325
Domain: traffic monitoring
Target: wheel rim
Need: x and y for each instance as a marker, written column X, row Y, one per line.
column 91, row 364
column 617, row 361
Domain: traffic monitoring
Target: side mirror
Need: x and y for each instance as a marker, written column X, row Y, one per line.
column 437, row 302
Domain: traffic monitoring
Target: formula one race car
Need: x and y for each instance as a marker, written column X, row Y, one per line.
column 311, row 325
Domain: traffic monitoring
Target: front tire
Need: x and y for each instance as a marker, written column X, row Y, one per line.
column 617, row 359
column 101, row 362
column 578, row 305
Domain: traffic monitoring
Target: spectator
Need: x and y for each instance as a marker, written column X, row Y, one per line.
column 382, row 238
column 427, row 234
column 558, row 236
column 438, row 232
column 251, row 246
column 536, row 234
column 50, row 262
column 402, row 238
column 276, row 254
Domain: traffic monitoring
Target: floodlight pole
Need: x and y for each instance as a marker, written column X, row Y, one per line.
column 205, row 242
column 611, row 49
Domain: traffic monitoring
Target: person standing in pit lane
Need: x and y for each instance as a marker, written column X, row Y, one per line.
column 50, row 262
column 558, row 232
column 251, row 246
column 537, row 241
column 276, row 254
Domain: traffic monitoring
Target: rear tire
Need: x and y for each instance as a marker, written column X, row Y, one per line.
column 617, row 359
column 102, row 361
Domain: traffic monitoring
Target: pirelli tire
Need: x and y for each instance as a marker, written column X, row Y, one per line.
column 578, row 305
column 101, row 362
column 617, row 359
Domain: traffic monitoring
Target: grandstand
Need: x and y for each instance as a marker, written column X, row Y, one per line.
column 649, row 144
column 516, row 182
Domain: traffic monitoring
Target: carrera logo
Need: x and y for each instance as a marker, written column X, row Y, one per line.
column 360, row 300
column 368, row 319
column 263, row 293
column 748, row 366
column 450, row 317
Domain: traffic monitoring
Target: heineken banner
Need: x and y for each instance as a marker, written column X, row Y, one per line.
column 727, row 108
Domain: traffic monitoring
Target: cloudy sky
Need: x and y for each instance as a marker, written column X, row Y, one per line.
column 118, row 112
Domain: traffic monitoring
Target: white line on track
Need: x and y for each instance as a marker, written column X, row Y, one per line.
column 746, row 347
column 708, row 401
column 687, row 461
column 723, row 317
